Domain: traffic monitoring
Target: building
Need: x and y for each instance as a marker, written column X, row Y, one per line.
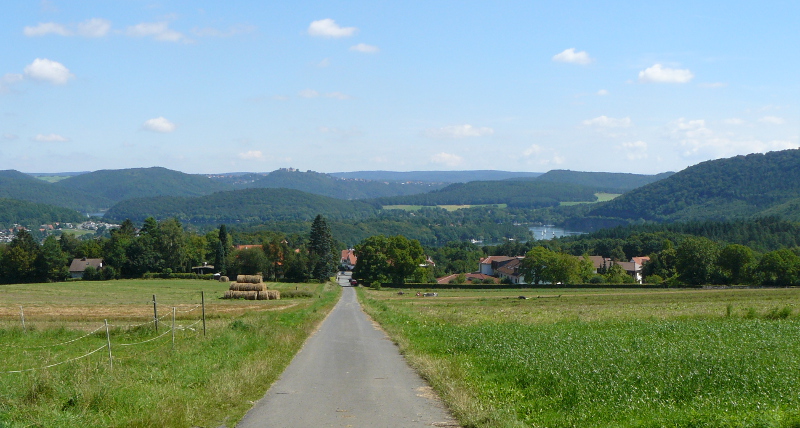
column 78, row 266
column 489, row 264
column 348, row 259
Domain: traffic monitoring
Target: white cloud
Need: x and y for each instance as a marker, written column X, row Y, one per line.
column 49, row 71
column 11, row 78
column 608, row 122
column 459, row 131
column 696, row 140
column 448, row 159
column 251, row 155
column 157, row 30
column 572, row 57
column 365, row 48
column 635, row 150
column 773, row 120
column 534, row 149
column 602, row 92
column 95, row 27
column 45, row 28
column 50, row 138
column 660, row 74
column 308, row 93
column 733, row 121
column 542, row 155
column 329, row 28
column 159, row 124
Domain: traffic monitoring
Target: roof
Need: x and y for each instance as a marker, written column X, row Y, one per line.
column 511, row 268
column 640, row 260
column 490, row 259
column 80, row 265
column 349, row 257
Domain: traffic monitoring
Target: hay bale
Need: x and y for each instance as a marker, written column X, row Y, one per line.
column 248, row 295
column 239, row 286
column 274, row 294
column 250, row 279
column 223, row 279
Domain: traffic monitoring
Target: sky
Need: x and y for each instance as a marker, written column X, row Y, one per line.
column 330, row 86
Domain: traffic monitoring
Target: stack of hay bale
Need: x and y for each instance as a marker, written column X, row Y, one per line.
column 251, row 287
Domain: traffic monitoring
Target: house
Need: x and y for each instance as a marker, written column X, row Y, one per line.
column 348, row 259
column 78, row 266
column 470, row 278
column 489, row 264
column 632, row 268
column 204, row 269
column 510, row 270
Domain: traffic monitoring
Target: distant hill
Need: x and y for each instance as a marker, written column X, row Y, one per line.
column 30, row 214
column 436, row 176
column 121, row 184
column 325, row 184
column 518, row 194
column 20, row 186
column 723, row 189
column 241, row 206
column 610, row 182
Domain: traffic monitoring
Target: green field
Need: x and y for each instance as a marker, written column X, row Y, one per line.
column 601, row 197
column 598, row 358
column 51, row 178
column 201, row 380
column 447, row 207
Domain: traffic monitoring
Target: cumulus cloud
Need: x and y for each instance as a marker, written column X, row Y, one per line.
column 459, row 131
column 43, row 69
column 608, row 122
column 159, row 124
column 329, row 28
column 697, row 140
column 95, row 27
column 157, row 30
column 448, row 159
column 251, row 155
column 50, row 138
column 772, row 120
column 572, row 57
column 602, row 92
column 365, row 48
column 45, row 28
column 660, row 74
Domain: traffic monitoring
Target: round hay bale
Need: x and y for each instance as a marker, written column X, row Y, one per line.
column 273, row 294
column 239, row 286
column 249, row 295
column 250, row 279
column 223, row 279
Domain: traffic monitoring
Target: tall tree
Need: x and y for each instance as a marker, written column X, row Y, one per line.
column 321, row 250
column 534, row 266
column 223, row 248
column 735, row 262
column 695, row 261
column 19, row 262
column 53, row 261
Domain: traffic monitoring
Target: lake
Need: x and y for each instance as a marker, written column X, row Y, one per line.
column 550, row 232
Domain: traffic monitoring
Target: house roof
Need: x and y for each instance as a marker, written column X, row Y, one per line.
column 490, row 259
column 80, row 265
column 511, row 268
column 349, row 257
column 640, row 260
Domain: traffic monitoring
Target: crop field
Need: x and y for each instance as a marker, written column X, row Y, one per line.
column 168, row 378
column 599, row 358
column 447, row 207
column 601, row 197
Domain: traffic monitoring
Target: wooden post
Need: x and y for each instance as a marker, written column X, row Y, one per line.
column 108, row 343
column 173, row 327
column 155, row 312
column 203, row 304
column 22, row 316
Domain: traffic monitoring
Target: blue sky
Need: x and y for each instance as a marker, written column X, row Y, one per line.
column 209, row 86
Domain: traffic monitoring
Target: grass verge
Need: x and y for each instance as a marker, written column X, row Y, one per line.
column 604, row 358
column 207, row 380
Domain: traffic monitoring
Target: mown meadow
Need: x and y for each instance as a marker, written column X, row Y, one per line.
column 199, row 380
column 599, row 358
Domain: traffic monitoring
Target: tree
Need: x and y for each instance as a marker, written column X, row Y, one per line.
column 321, row 250
column 695, row 261
column 735, row 261
column 534, row 266
column 248, row 262
column 563, row 269
column 20, row 260
column 222, row 250
column 53, row 261
column 780, row 267
column 381, row 259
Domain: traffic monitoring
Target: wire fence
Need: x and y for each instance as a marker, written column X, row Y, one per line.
column 109, row 345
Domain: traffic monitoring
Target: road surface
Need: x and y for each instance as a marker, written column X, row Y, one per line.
column 348, row 374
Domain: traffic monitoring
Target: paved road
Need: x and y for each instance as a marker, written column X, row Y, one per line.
column 348, row 374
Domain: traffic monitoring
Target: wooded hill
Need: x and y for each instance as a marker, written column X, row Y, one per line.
column 518, row 194
column 723, row 189
column 240, row 206
column 325, row 184
column 435, row 176
column 23, row 187
column 609, row 182
column 31, row 215
column 121, row 184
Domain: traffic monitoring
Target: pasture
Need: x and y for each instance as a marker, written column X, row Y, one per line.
column 598, row 358
column 172, row 378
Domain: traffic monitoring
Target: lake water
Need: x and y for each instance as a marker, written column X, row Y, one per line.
column 550, row 232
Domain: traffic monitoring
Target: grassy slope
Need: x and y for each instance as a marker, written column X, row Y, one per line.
column 203, row 381
column 601, row 358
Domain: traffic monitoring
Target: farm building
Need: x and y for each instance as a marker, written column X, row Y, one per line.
column 78, row 266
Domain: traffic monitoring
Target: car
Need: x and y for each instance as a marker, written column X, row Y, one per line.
column 353, row 282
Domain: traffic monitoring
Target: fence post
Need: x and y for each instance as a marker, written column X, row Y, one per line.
column 108, row 343
column 173, row 327
column 22, row 316
column 155, row 312
column 203, row 304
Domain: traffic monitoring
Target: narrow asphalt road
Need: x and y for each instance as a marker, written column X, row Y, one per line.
column 348, row 374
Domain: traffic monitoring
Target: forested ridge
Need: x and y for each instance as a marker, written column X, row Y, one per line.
column 31, row 214
column 521, row 194
column 20, row 186
column 610, row 182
